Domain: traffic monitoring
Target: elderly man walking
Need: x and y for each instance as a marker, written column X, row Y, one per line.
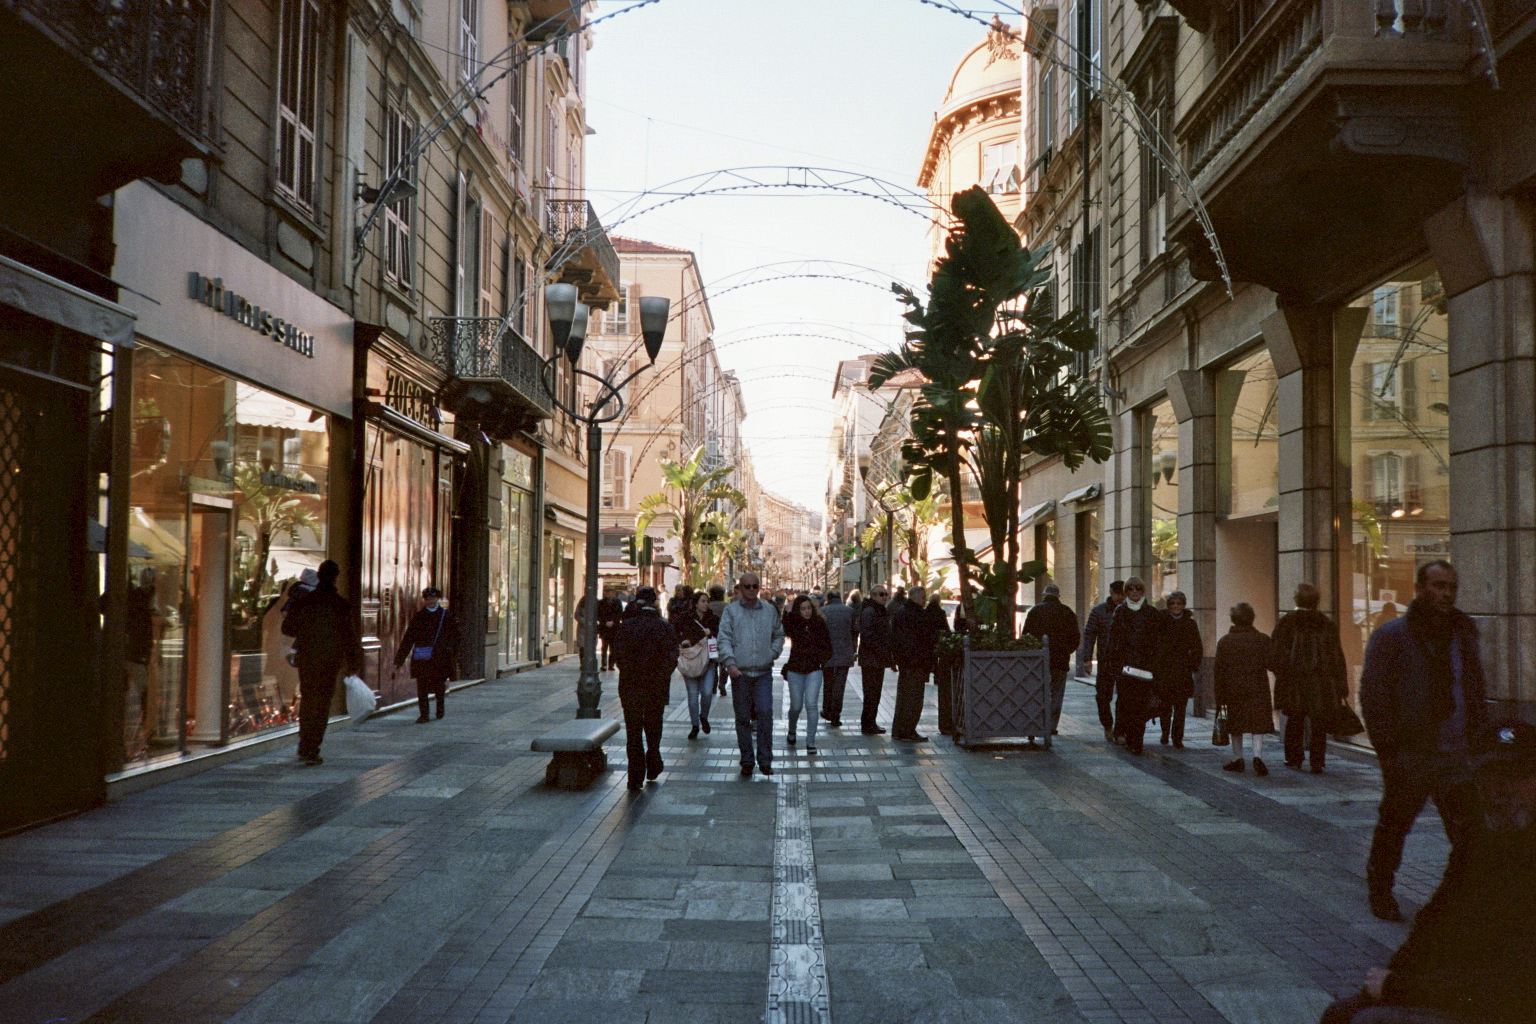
column 1421, row 693
column 1051, row 620
column 751, row 639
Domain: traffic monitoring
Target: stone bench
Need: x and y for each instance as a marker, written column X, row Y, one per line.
column 577, row 747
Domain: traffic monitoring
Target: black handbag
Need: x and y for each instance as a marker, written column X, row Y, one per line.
column 1344, row 723
column 1220, row 734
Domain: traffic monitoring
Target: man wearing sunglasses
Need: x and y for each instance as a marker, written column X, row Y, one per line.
column 751, row 638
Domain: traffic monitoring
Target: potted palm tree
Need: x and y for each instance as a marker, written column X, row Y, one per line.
column 1000, row 383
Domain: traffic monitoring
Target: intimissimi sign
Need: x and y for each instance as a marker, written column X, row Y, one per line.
column 211, row 292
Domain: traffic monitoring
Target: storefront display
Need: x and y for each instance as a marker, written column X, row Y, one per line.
column 229, row 508
column 512, row 550
column 1162, row 475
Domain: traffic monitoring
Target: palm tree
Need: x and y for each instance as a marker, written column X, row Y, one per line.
column 999, row 384
column 691, row 494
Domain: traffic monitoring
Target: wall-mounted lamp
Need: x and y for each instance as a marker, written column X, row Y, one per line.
column 401, row 189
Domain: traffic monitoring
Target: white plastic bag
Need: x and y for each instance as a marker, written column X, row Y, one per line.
column 360, row 699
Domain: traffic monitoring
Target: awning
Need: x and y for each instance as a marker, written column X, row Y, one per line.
column 96, row 541
column 258, row 408
column 560, row 517
column 396, row 420
column 1036, row 513
column 1082, row 494
column 59, row 302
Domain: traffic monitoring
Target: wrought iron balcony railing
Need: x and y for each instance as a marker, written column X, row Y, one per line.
column 486, row 350
column 574, row 221
column 156, row 49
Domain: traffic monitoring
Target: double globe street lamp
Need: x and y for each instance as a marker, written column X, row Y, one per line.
column 568, row 321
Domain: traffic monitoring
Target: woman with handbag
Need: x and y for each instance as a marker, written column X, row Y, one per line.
column 695, row 628
column 1311, row 680
column 431, row 643
column 810, row 647
column 1243, row 658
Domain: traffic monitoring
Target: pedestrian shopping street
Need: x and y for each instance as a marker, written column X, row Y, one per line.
column 424, row 873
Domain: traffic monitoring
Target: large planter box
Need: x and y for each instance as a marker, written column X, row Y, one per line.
column 1003, row 694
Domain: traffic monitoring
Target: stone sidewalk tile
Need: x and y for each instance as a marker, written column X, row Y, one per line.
column 423, row 874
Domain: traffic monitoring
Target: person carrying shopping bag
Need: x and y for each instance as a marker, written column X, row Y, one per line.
column 695, row 630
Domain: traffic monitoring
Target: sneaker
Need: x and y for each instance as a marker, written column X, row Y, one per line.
column 1233, row 766
column 810, row 750
column 704, row 724
column 1259, row 767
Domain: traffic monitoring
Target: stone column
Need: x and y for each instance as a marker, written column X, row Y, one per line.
column 1193, row 396
column 1483, row 249
column 1125, row 548
column 1300, row 342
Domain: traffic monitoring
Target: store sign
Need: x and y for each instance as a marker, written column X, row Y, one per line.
column 288, row 483
column 212, row 293
column 409, row 398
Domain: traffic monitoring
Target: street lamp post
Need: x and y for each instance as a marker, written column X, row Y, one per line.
column 568, row 328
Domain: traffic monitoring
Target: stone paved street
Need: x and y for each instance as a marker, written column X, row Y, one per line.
column 425, row 874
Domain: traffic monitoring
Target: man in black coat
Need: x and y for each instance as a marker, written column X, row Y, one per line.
column 325, row 643
column 1135, row 648
column 1051, row 620
column 1096, row 634
column 914, row 637
column 610, row 613
column 431, row 641
column 646, row 650
column 1421, row 694
column 874, row 654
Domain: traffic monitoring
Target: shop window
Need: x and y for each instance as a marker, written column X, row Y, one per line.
column 1089, row 541
column 298, row 111
column 1162, row 488
column 229, row 507
column 1250, row 403
column 1398, row 444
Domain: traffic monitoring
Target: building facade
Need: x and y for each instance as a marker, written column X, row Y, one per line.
column 1346, row 412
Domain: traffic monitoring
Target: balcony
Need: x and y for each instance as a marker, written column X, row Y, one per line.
column 583, row 254
column 1286, row 143
column 550, row 16
column 131, row 99
column 495, row 377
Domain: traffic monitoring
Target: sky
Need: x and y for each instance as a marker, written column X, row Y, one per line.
column 682, row 88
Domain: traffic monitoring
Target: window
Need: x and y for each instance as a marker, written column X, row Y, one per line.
column 1000, row 167
column 551, row 144
column 1082, row 45
column 1154, row 183
column 400, row 131
column 1391, row 391
column 298, row 109
column 1384, row 312
column 1085, row 291
column 517, row 108
column 469, row 39
column 466, row 270
column 616, row 478
column 1045, row 115
column 616, row 320
column 520, row 296
column 487, row 274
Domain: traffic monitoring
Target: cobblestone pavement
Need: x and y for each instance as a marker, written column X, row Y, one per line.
column 424, row 874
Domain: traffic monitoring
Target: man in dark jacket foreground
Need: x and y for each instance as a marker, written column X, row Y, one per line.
column 1053, row 621
column 1421, row 694
column 325, row 644
column 646, row 651
column 1468, row 958
column 1135, row 647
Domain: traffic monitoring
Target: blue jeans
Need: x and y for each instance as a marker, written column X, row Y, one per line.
column 804, row 689
column 701, row 694
column 753, row 698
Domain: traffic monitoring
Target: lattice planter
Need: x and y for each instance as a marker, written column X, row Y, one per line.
column 1003, row 694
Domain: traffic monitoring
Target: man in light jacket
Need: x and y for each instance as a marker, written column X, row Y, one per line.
column 751, row 639
column 840, row 626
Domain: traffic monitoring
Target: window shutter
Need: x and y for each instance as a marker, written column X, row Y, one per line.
column 1408, row 391
column 487, row 259
column 1413, row 493
column 1367, row 392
